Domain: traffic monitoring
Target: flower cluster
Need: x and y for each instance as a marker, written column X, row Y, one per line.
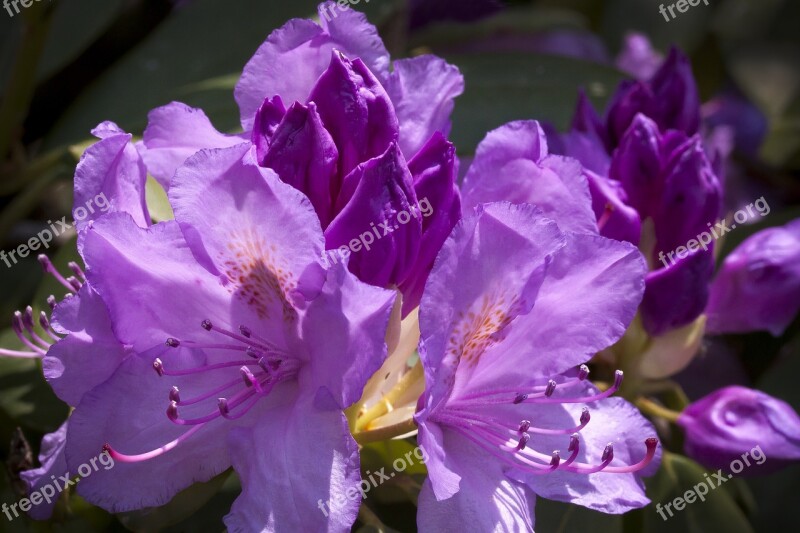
column 221, row 339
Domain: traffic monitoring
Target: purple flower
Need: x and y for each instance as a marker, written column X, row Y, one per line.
column 243, row 348
column 512, row 164
column 670, row 98
column 366, row 145
column 758, row 284
column 512, row 306
column 341, row 150
column 668, row 180
column 736, row 422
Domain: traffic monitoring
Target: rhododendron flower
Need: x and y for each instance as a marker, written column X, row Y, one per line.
column 512, row 306
column 367, row 145
column 235, row 330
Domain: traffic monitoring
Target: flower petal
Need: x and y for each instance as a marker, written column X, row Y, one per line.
column 587, row 300
column 89, row 354
column 356, row 111
column 110, row 169
column 486, row 499
column 128, row 412
column 258, row 234
column 435, row 171
column 303, row 154
column 613, row 421
column 304, row 49
column 53, row 463
column 487, row 275
column 423, row 90
column 512, row 164
column 374, row 196
column 308, row 479
column 344, row 328
column 174, row 133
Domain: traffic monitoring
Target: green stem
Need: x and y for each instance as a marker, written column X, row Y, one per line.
column 651, row 408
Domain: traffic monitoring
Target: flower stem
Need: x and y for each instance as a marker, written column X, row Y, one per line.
column 385, row 433
column 651, row 408
column 383, row 406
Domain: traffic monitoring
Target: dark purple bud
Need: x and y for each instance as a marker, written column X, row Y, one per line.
column 758, row 285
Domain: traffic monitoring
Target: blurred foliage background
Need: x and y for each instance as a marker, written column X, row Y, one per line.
column 66, row 65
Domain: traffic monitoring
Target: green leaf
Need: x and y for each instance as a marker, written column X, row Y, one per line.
column 204, row 40
column 185, row 505
column 502, row 87
column 560, row 517
column 677, row 477
column 27, row 399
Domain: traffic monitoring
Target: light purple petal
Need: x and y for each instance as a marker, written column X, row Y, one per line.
column 303, row 48
column 486, row 500
column 110, row 177
column 128, row 412
column 344, row 328
column 89, row 354
column 174, row 133
column 297, row 465
column 423, row 90
column 53, row 463
column 260, row 235
column 150, row 282
column 511, row 164
column 587, row 300
column 488, row 273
